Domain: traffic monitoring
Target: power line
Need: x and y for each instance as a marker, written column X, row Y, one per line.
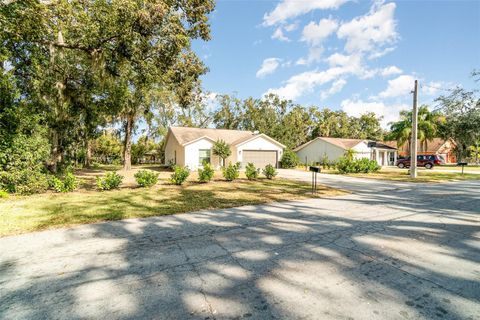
column 438, row 88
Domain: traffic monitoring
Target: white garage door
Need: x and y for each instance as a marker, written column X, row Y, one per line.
column 260, row 158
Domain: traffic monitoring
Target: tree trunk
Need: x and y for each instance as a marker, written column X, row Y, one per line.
column 88, row 154
column 127, row 150
column 56, row 152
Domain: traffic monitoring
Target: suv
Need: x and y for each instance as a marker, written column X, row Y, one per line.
column 427, row 161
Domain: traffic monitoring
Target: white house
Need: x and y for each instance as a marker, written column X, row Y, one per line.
column 334, row 148
column 191, row 146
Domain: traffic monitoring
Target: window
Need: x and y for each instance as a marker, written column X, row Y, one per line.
column 203, row 155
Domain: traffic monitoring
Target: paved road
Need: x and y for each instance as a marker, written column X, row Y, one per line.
column 403, row 253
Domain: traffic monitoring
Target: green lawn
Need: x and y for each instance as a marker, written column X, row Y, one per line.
column 438, row 174
column 52, row 210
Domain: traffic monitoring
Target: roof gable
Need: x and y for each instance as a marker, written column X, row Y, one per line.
column 338, row 142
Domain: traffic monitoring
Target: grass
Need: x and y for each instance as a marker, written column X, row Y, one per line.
column 438, row 174
column 52, row 210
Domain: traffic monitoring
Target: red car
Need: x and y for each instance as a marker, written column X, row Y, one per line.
column 427, row 161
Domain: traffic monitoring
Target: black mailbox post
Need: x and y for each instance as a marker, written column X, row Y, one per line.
column 463, row 164
column 314, row 171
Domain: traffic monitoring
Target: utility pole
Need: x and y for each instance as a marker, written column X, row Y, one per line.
column 413, row 149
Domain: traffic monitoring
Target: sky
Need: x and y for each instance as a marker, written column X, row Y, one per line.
column 356, row 56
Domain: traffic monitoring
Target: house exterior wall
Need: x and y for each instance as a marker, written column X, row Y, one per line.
column 174, row 152
column 362, row 151
column 192, row 154
column 317, row 150
column 259, row 143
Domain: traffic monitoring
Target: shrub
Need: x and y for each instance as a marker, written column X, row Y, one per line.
column 269, row 171
column 363, row 165
column 68, row 184
column 23, row 181
column 179, row 175
column 231, row 172
column 3, row 194
column 111, row 180
column 251, row 172
column 289, row 159
column 206, row 174
column 146, row 178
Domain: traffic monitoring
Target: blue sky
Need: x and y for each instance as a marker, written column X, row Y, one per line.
column 356, row 56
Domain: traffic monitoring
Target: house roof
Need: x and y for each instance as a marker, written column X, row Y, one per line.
column 431, row 146
column 381, row 145
column 186, row 135
column 339, row 142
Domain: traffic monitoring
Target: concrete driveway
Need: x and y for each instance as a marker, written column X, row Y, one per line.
column 402, row 253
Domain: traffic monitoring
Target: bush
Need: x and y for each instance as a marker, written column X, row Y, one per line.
column 206, row 174
column 3, row 194
column 179, row 175
column 111, row 180
column 289, row 159
column 231, row 172
column 23, row 181
column 269, row 171
column 363, row 165
column 68, row 184
column 146, row 178
column 251, row 172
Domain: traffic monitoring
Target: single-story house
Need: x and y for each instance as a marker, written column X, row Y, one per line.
column 191, row 146
column 445, row 149
column 320, row 148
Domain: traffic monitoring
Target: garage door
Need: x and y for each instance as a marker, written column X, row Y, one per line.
column 260, row 158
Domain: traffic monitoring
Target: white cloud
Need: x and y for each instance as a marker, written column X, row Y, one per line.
column 388, row 112
column 400, row 86
column 434, row 87
column 314, row 33
column 306, row 82
column 388, row 71
column 336, row 87
column 373, row 30
column 269, row 66
column 278, row 34
column 291, row 27
column 381, row 53
column 314, row 55
column 288, row 9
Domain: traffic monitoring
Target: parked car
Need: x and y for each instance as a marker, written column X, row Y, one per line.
column 427, row 161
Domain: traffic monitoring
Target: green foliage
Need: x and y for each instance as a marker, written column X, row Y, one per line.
column 251, row 172
column 270, row 172
column 289, row 159
column 68, row 184
column 107, row 148
column 206, row 173
column 349, row 154
column 3, row 194
column 179, row 175
column 111, row 180
column 326, row 163
column 231, row 172
column 221, row 149
column 146, row 178
column 363, row 165
column 23, row 181
column 141, row 148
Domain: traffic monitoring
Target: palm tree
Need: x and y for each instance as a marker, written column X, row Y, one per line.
column 428, row 123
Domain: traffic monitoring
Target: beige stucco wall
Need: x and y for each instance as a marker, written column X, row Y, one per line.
column 317, row 150
column 171, row 146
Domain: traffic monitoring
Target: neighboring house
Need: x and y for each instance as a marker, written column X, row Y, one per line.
column 190, row 146
column 333, row 148
column 445, row 149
